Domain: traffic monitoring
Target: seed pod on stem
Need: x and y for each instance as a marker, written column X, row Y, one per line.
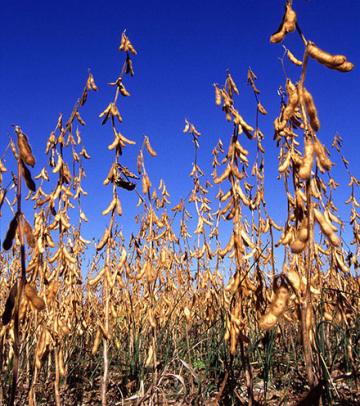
column 293, row 59
column 321, row 155
column 307, row 161
column 297, row 246
column 311, row 110
column 30, row 239
column 287, row 25
column 149, row 148
column 9, row 305
column 324, row 57
column 278, row 306
column 24, row 148
column 10, row 235
column 326, row 228
column 32, row 296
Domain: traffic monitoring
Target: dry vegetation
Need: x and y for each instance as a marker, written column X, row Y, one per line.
column 157, row 320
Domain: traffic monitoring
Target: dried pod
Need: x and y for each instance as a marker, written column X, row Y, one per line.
column 126, row 45
column 66, row 175
column 25, row 173
column 277, row 307
column 334, row 218
column 287, row 25
column 24, row 148
column 233, row 339
column 30, row 239
column 290, row 18
column 297, row 246
column 90, row 83
column 150, row 356
column 32, row 296
column 67, row 256
column 127, row 185
column 294, row 279
column 79, row 118
column 223, row 176
column 104, row 239
column 283, row 167
column 326, row 228
column 148, row 146
column 129, row 66
column 280, row 302
column 146, row 184
column 10, row 235
column 140, row 161
column 41, row 348
column 187, row 313
column 2, row 167
column 261, row 109
column 311, row 110
column 324, row 57
column 340, row 263
column 267, row 321
column 235, row 171
column 229, row 246
column 96, row 280
column 293, row 59
column 96, row 342
column 218, row 97
column 122, row 88
column 293, row 99
column 110, row 207
column 344, row 67
column 115, row 143
column 111, row 174
column 321, row 155
column 334, row 239
column 56, row 255
column 118, row 206
column 231, row 85
column 276, row 226
column 9, row 305
column 58, row 165
column 307, row 161
column 52, row 291
column 303, row 234
column 62, row 370
column 278, row 36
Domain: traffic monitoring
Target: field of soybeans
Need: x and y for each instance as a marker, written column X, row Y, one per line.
column 208, row 300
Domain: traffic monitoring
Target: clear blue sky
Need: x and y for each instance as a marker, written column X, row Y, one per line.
column 183, row 48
